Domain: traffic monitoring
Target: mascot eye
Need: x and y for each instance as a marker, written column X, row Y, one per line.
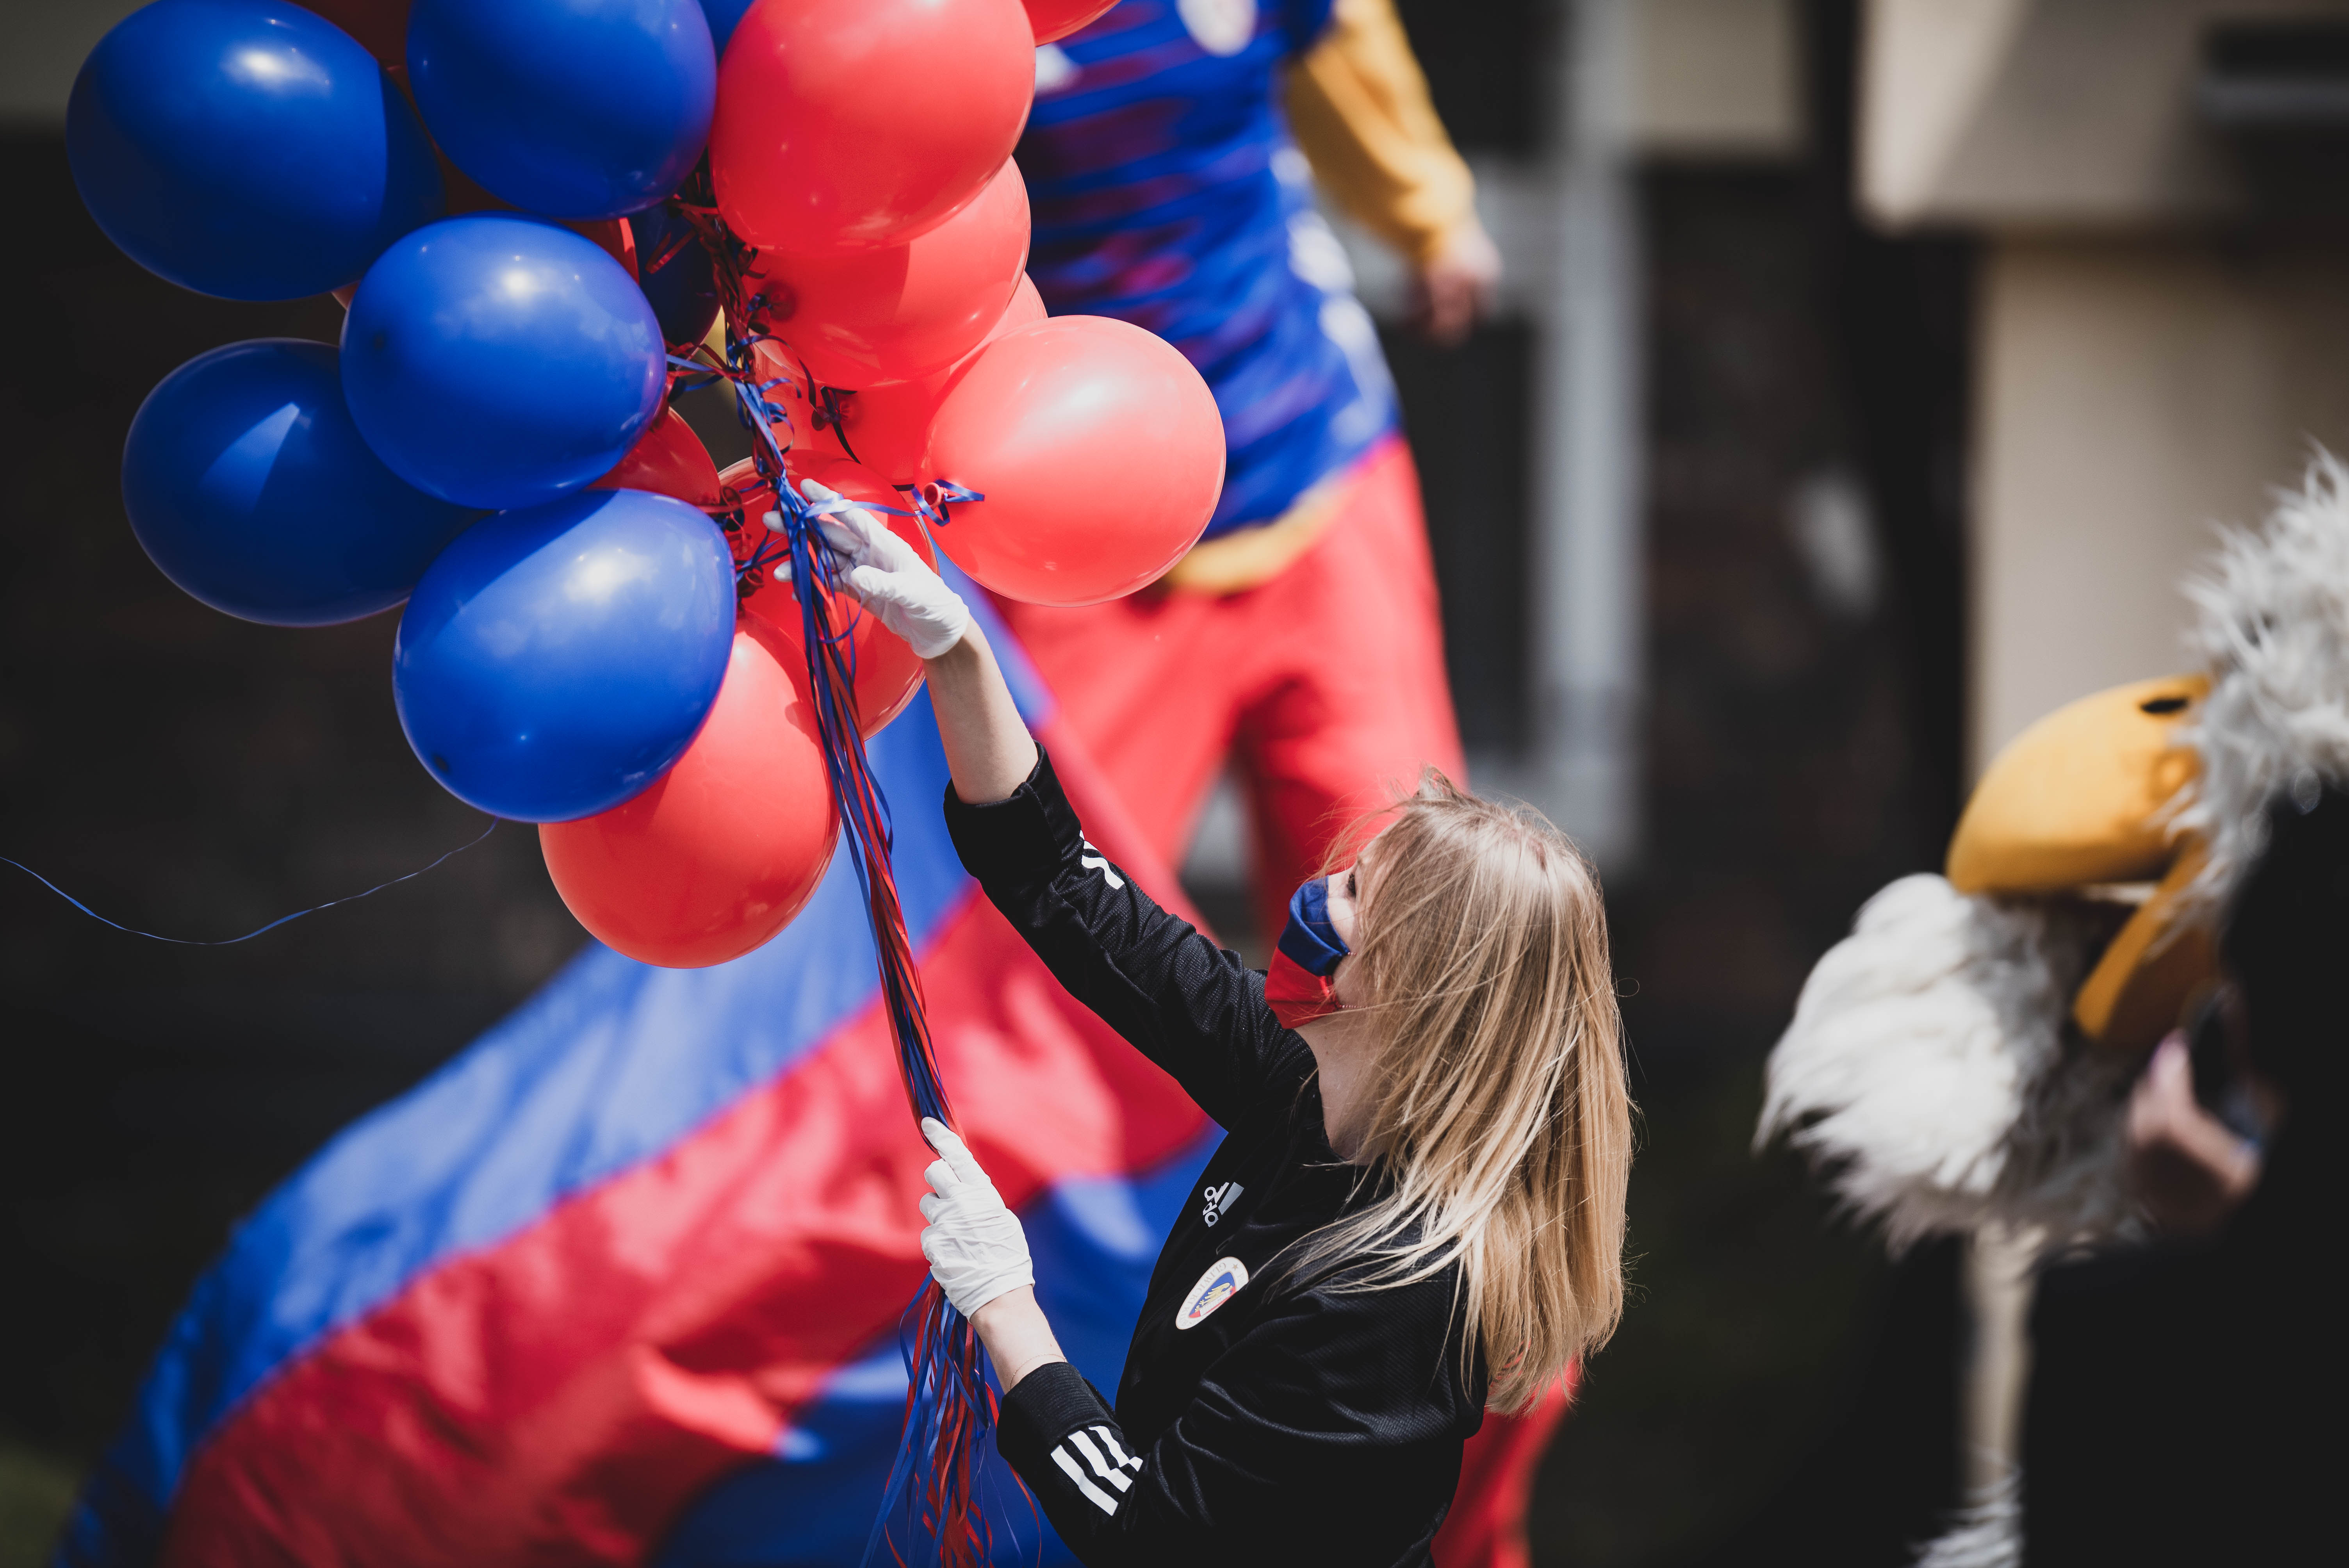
column 2161, row 705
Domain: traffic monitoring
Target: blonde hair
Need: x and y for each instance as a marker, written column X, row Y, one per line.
column 1497, row 1106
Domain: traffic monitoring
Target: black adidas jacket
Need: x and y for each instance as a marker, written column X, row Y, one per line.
column 1261, row 1419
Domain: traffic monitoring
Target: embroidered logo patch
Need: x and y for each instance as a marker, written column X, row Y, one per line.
column 1219, row 1200
column 1216, row 1287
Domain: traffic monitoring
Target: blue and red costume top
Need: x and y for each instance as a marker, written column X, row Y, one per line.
column 1166, row 191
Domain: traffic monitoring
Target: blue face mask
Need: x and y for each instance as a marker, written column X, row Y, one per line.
column 1308, row 938
column 1298, row 985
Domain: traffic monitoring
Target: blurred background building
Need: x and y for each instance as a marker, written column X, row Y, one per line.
column 1865, row 377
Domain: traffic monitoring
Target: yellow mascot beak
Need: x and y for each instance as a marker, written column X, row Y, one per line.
column 2078, row 800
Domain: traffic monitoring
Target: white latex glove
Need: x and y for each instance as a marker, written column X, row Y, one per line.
column 881, row 572
column 973, row 1243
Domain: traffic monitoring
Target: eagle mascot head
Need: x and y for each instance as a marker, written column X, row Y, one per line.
column 1964, row 1058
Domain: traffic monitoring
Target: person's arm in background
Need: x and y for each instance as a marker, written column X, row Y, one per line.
column 1359, row 107
column 2190, row 1170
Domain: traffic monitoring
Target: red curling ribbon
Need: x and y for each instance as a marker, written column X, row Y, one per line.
column 950, row 1407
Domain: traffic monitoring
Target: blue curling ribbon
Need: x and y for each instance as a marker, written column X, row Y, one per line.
column 950, row 1406
column 263, row 931
column 933, row 513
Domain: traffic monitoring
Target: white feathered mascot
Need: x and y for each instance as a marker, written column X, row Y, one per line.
column 1964, row 1059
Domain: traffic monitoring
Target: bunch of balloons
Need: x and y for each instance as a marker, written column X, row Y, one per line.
column 535, row 211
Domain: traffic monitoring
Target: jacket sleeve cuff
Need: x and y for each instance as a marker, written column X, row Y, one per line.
column 1049, row 1404
column 1023, row 837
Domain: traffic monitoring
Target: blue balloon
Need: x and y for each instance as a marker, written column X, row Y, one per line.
column 499, row 361
column 675, row 272
column 724, row 17
column 575, row 108
column 246, row 149
column 555, row 661
column 248, row 485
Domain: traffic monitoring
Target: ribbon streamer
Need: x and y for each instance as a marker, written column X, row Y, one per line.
column 259, row 930
column 950, row 1404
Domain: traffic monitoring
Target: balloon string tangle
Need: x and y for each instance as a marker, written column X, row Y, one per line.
column 261, row 931
column 950, row 1404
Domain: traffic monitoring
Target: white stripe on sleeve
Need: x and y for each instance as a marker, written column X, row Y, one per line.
column 1094, row 860
column 1109, row 1441
column 1101, row 1467
column 1099, row 1497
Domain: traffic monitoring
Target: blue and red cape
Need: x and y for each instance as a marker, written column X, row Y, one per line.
column 621, row 1283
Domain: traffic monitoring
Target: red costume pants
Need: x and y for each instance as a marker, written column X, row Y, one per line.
column 1325, row 687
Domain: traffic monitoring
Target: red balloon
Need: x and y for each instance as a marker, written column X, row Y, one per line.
column 743, row 479
column 888, row 672
column 895, row 424
column 723, row 849
column 1099, row 450
column 1058, row 18
column 888, row 426
column 668, row 459
column 1027, row 306
column 901, row 311
column 840, row 126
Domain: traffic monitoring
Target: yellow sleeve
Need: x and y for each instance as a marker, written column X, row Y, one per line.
column 1359, row 107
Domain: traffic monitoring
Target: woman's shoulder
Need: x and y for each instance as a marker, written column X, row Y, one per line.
column 1365, row 1287
column 1391, row 1342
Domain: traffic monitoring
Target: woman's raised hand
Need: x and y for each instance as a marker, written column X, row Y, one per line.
column 988, row 746
column 883, row 574
column 976, row 1248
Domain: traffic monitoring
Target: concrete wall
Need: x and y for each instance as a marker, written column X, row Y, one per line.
column 1715, row 80
column 2131, row 393
column 2045, row 112
column 2151, row 359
